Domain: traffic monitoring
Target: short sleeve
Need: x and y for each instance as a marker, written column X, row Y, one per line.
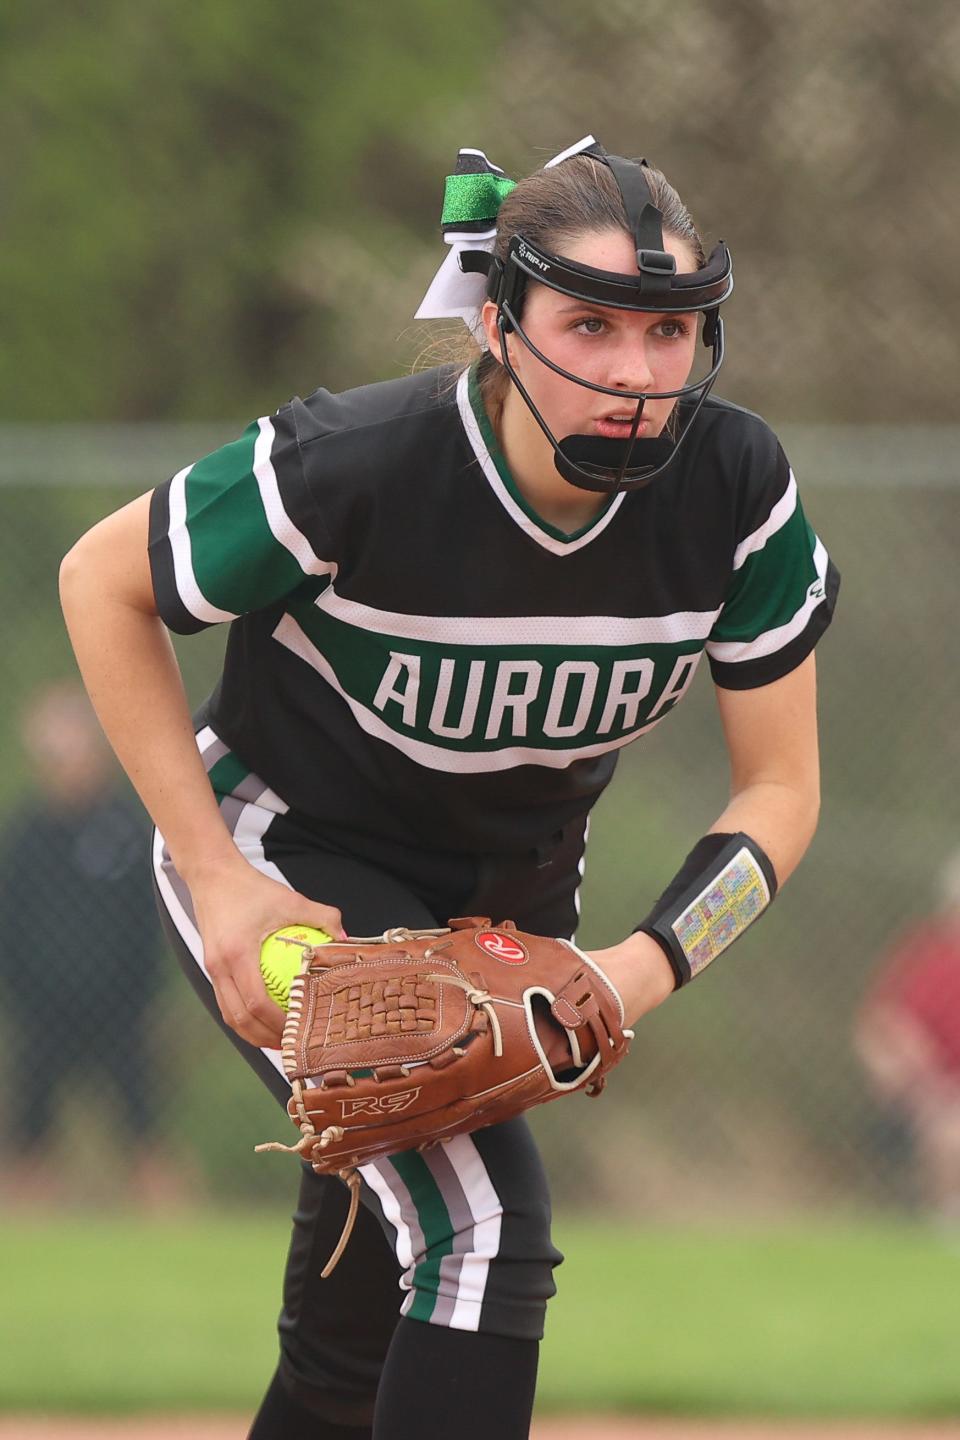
column 782, row 593
column 237, row 531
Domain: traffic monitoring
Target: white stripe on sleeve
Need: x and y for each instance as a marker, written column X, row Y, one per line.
column 281, row 526
column 191, row 596
column 775, row 521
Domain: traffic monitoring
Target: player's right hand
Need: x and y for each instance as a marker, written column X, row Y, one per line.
column 236, row 908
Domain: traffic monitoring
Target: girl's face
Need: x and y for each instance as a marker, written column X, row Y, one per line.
column 622, row 349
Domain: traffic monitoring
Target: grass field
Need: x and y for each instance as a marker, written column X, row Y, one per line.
column 112, row 1315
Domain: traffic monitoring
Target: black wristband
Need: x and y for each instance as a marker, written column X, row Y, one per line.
column 725, row 883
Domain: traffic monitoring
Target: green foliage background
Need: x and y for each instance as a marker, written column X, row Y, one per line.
column 206, row 207
column 170, row 173
column 776, row 1321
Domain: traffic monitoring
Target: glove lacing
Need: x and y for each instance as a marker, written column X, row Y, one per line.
column 309, row 1142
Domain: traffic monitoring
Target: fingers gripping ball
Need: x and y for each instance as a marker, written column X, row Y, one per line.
column 281, row 956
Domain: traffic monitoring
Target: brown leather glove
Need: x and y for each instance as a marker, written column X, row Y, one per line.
column 407, row 1040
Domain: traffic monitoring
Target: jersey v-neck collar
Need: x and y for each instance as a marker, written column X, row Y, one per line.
column 483, row 440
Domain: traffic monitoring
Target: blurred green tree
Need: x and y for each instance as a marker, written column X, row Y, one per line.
column 169, row 172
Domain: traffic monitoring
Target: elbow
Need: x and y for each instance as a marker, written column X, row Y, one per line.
column 811, row 801
column 77, row 568
column 804, row 813
column 813, row 792
column 813, row 814
column 71, row 569
column 805, row 818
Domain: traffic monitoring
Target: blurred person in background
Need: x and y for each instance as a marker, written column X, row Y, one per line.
column 908, row 1038
column 454, row 598
column 79, row 957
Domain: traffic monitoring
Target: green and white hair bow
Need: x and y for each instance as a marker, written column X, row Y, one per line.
column 471, row 202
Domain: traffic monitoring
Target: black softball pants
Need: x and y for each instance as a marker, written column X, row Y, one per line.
column 457, row 1237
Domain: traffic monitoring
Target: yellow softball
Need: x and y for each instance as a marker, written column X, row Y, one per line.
column 281, row 956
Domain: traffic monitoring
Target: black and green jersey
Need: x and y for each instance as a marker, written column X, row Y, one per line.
column 414, row 652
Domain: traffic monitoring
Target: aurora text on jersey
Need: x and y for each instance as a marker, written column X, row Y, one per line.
column 343, row 534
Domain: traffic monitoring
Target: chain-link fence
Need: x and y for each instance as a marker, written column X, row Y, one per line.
column 743, row 1092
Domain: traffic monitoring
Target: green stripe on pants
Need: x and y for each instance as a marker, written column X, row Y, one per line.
column 437, row 1227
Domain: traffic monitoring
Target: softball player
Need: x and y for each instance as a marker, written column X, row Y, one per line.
column 453, row 599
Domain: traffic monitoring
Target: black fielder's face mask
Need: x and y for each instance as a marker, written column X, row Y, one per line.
column 594, row 462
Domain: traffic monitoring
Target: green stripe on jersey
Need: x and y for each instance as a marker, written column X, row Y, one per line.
column 227, row 774
column 771, row 585
column 238, row 563
column 438, row 1231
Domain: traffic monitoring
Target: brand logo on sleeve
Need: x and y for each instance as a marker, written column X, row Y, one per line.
column 502, row 947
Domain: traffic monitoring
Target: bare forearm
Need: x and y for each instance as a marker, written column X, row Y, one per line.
column 771, row 735
column 134, row 682
column 781, row 818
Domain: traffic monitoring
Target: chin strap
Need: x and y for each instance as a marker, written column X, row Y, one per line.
column 592, row 462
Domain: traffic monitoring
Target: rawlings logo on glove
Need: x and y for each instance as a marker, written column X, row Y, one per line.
column 501, row 947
